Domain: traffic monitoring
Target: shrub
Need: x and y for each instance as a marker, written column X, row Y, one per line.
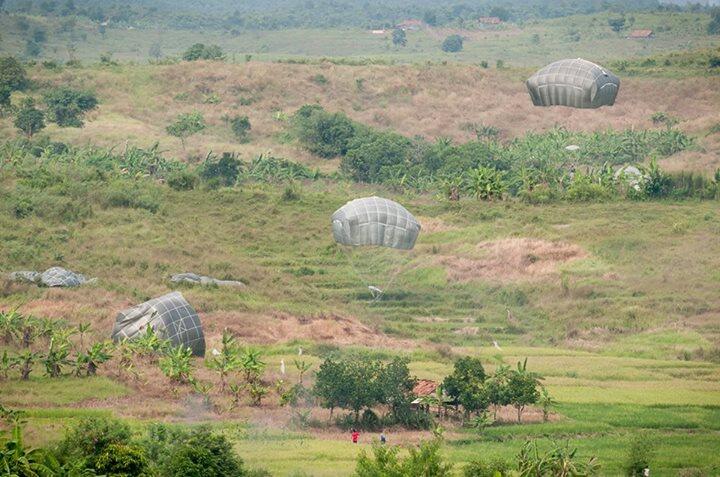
column 185, row 125
column 91, row 438
column 132, row 194
column 223, row 172
column 66, row 106
column 203, row 454
column 371, row 152
column 487, row 468
column 452, row 44
column 424, row 459
column 200, row 51
column 240, row 126
column 122, row 460
column 641, row 453
column 322, row 133
column 182, row 180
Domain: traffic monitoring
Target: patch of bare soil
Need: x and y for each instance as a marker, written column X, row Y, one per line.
column 283, row 327
column 512, row 259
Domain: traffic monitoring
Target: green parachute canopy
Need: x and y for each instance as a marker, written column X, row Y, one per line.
column 574, row 83
column 374, row 221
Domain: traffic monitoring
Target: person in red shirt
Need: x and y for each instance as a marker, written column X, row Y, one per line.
column 355, row 435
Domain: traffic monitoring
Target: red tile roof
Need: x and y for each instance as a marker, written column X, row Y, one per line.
column 424, row 387
column 640, row 34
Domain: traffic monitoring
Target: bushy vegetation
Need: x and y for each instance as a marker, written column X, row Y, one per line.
column 200, row 51
column 538, row 167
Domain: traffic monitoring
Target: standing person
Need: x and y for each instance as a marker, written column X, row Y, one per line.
column 383, row 439
column 355, row 435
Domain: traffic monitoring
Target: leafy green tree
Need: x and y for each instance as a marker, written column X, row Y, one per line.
column 466, row 384
column 430, row 17
column 5, row 99
column 66, row 106
column 497, row 388
column 452, row 44
column 29, row 119
column 522, row 388
column 487, row 468
column 395, row 386
column 617, row 24
column 39, row 36
column 399, row 38
column 546, row 402
column 252, row 364
column 200, row 51
column 330, row 384
column 240, row 126
column 185, row 125
column 501, row 12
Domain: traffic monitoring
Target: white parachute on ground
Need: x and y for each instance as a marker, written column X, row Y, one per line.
column 373, row 232
column 632, row 175
column 195, row 279
column 575, row 83
column 52, row 277
column 170, row 316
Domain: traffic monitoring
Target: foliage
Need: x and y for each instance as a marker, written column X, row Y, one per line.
column 399, row 38
column 185, row 125
column 522, row 388
column 176, row 364
column 226, row 360
column 423, row 460
column 640, row 455
column 66, row 106
column 559, row 461
column 223, row 171
column 123, row 459
column 203, row 454
column 12, row 74
column 322, row 133
column 487, row 468
column 240, row 126
column 91, row 439
column 452, row 44
column 29, row 119
column 617, row 24
column 182, row 180
column 466, row 384
column 200, row 51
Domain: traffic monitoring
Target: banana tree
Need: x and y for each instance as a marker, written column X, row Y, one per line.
column 226, row 360
column 56, row 357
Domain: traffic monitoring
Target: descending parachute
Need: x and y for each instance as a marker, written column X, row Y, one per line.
column 170, row 316
column 373, row 231
column 375, row 221
column 575, row 83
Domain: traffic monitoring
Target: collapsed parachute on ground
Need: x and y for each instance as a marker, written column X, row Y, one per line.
column 170, row 316
column 575, row 83
column 52, row 277
column 375, row 221
column 195, row 279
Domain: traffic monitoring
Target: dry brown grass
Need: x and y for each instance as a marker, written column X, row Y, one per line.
column 512, row 259
column 430, row 101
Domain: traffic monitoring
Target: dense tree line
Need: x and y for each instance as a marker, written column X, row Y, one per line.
column 281, row 14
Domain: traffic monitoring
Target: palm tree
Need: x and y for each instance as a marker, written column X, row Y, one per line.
column 302, row 367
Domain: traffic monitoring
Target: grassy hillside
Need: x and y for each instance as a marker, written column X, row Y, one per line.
column 432, row 101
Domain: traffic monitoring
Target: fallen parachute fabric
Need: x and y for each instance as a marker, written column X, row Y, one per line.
column 375, row 221
column 52, row 277
column 194, row 279
column 170, row 316
column 60, row 277
column 575, row 83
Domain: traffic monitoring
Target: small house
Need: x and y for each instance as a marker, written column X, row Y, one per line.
column 641, row 34
column 410, row 25
column 377, row 32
